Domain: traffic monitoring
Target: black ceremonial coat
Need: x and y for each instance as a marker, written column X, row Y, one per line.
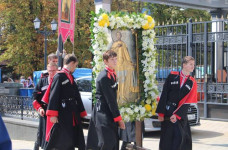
column 103, row 129
column 65, row 102
column 38, row 93
column 176, row 100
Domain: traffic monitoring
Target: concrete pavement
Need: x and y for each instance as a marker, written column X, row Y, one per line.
column 210, row 135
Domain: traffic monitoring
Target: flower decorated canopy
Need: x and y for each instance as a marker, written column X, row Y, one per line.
column 101, row 24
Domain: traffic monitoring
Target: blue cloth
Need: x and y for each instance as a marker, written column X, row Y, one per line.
column 82, row 72
column 5, row 142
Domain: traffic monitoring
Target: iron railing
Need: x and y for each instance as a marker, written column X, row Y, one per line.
column 207, row 42
column 17, row 107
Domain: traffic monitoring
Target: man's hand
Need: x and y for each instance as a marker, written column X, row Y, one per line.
column 54, row 120
column 173, row 118
column 41, row 112
column 160, row 118
column 121, row 124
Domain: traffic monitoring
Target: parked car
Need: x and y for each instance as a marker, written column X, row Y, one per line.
column 85, row 88
column 151, row 124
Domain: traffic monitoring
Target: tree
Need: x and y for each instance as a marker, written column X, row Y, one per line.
column 171, row 14
column 161, row 13
column 24, row 48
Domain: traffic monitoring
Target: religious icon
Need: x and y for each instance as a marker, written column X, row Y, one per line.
column 124, row 45
column 65, row 11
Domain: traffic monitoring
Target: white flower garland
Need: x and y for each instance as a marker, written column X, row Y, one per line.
column 102, row 24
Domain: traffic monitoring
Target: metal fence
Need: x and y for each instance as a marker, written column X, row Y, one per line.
column 17, row 107
column 207, row 42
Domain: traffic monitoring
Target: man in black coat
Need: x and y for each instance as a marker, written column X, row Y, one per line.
column 51, row 58
column 179, row 90
column 65, row 109
column 40, row 106
column 103, row 130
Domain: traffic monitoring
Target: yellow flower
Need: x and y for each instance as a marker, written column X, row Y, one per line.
column 104, row 17
column 101, row 23
column 153, row 112
column 148, row 107
column 150, row 19
column 154, row 105
column 104, row 21
column 152, row 25
column 146, row 26
column 108, row 23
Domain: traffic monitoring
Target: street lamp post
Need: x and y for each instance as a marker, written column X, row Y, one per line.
column 46, row 33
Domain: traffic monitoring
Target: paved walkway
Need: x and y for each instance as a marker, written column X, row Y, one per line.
column 210, row 135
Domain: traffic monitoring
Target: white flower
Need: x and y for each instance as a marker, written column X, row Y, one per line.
column 136, row 109
column 146, row 74
column 142, row 110
column 95, row 30
column 148, row 101
column 149, row 114
column 122, row 110
column 138, row 118
column 147, row 81
column 126, row 118
column 131, row 112
column 95, row 46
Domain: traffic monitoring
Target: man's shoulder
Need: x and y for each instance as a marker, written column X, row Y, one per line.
column 193, row 79
column 174, row 73
column 102, row 75
column 59, row 75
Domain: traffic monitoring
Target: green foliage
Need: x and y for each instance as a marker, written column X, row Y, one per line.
column 161, row 13
column 141, row 57
column 170, row 14
column 24, row 47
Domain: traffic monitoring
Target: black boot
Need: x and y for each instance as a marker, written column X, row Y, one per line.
column 124, row 145
column 36, row 146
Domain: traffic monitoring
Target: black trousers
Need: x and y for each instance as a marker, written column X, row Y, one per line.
column 176, row 138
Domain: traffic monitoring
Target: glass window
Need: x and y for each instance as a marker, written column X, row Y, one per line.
column 84, row 85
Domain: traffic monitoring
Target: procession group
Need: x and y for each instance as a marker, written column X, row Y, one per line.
column 58, row 101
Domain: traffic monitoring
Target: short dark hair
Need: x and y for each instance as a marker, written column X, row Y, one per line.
column 108, row 54
column 186, row 59
column 52, row 64
column 52, row 56
column 69, row 58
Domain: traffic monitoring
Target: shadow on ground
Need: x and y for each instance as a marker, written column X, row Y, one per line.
column 202, row 134
column 196, row 134
column 154, row 134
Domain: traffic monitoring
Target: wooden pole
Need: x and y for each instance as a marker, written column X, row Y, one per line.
column 138, row 133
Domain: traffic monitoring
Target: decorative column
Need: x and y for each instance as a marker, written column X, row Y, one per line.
column 102, row 4
column 217, row 26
